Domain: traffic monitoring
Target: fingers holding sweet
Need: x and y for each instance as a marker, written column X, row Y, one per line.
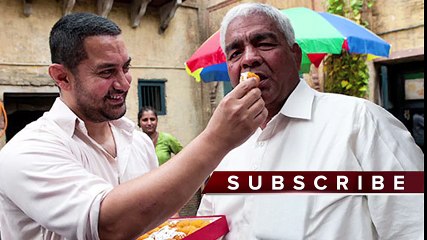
column 260, row 112
column 243, row 88
column 238, row 115
column 251, row 97
column 260, row 119
column 247, row 75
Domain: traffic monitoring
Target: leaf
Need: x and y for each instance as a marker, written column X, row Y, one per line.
column 358, row 17
column 363, row 89
column 344, row 83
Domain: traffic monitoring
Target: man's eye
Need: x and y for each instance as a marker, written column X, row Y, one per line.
column 126, row 68
column 234, row 55
column 106, row 73
column 266, row 45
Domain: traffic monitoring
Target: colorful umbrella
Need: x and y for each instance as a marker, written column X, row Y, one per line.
column 318, row 34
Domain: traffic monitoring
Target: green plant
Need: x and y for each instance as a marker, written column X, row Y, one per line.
column 348, row 73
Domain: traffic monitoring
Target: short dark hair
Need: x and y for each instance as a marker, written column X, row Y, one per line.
column 146, row 109
column 68, row 34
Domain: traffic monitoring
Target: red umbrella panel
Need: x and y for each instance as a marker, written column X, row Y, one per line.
column 208, row 62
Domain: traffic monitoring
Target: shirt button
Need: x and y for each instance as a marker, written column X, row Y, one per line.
column 260, row 144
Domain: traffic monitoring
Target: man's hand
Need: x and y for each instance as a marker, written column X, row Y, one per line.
column 237, row 115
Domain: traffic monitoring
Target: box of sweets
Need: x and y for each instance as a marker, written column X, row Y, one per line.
column 189, row 228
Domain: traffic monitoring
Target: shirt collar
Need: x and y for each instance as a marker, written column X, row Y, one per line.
column 68, row 120
column 300, row 102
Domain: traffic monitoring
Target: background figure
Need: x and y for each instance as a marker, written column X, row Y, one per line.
column 418, row 129
column 165, row 143
column 315, row 79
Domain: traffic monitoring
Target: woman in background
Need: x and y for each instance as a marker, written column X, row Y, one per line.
column 165, row 143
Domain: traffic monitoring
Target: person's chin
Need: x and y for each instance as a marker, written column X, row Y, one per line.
column 265, row 96
column 118, row 113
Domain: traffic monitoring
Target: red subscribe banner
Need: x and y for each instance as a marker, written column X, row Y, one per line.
column 346, row 182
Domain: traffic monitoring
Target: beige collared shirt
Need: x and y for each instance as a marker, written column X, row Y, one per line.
column 53, row 176
column 323, row 132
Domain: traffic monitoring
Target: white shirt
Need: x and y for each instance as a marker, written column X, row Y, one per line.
column 53, row 176
column 323, row 132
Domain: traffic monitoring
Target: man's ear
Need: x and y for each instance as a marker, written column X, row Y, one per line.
column 297, row 54
column 60, row 75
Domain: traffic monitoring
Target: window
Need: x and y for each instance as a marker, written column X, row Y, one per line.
column 152, row 93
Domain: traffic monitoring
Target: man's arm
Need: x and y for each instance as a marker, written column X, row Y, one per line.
column 386, row 145
column 143, row 203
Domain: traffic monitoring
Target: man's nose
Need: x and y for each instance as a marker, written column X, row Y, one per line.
column 251, row 58
column 122, row 81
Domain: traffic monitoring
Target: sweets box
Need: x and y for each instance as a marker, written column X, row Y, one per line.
column 214, row 228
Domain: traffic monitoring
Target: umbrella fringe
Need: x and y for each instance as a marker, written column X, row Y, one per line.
column 195, row 74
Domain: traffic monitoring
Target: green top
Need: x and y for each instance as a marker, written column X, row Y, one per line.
column 166, row 144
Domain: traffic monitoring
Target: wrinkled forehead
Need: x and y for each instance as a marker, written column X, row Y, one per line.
column 252, row 22
column 253, row 19
column 247, row 28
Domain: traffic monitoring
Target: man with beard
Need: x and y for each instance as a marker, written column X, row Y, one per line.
column 83, row 171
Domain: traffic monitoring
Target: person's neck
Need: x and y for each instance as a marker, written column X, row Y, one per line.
column 98, row 131
column 103, row 135
column 153, row 135
column 272, row 111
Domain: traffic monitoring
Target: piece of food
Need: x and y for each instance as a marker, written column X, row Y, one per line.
column 246, row 75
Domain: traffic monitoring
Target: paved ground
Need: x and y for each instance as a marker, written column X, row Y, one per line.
column 190, row 209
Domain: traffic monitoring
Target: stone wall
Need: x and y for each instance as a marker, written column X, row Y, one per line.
column 400, row 23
